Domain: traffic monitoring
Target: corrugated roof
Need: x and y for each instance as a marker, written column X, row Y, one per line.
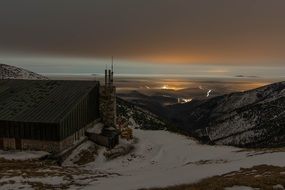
column 44, row 101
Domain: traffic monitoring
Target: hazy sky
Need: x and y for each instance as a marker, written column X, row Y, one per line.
column 196, row 32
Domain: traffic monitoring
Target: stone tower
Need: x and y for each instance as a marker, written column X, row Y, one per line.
column 108, row 99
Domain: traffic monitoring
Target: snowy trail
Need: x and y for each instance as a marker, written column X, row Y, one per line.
column 162, row 159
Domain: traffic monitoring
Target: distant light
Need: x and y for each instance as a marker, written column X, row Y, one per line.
column 184, row 100
column 208, row 93
column 167, row 87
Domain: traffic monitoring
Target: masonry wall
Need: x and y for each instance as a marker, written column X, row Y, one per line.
column 44, row 145
column 108, row 110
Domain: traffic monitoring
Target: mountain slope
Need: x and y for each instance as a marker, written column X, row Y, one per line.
column 143, row 118
column 11, row 72
column 254, row 118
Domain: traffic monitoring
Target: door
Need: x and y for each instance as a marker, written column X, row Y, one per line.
column 18, row 143
column 1, row 143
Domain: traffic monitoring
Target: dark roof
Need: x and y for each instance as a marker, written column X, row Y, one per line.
column 45, row 101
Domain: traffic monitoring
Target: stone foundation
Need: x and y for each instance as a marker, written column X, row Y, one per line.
column 8, row 144
column 43, row 145
column 49, row 146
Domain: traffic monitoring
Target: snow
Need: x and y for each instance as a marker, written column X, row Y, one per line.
column 231, row 127
column 208, row 93
column 75, row 154
column 163, row 159
column 52, row 180
column 97, row 128
column 278, row 186
column 238, row 100
column 12, row 72
column 240, row 188
column 21, row 182
column 241, row 138
column 22, row 155
column 160, row 159
column 15, row 186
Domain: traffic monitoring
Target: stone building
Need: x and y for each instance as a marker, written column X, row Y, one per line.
column 46, row 114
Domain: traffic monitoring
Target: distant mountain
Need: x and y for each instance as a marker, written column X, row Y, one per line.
column 254, row 118
column 149, row 102
column 244, row 76
column 11, row 72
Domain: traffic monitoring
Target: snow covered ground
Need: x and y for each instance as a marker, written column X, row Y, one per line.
column 12, row 72
column 22, row 155
column 240, row 188
column 162, row 159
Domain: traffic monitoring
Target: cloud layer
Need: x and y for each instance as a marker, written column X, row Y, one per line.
column 183, row 31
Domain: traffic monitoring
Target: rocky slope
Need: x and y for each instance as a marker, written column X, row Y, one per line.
column 11, row 72
column 254, row 118
column 139, row 117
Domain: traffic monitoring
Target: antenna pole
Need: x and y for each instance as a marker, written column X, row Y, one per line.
column 106, row 77
column 112, row 63
column 112, row 72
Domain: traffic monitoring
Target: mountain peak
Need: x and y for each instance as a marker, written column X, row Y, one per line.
column 253, row 118
column 12, row 72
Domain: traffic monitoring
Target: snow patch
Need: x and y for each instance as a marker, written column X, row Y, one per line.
column 162, row 159
column 240, row 188
column 278, row 186
column 22, row 155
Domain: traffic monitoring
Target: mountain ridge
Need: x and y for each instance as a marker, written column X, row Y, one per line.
column 253, row 118
column 12, row 72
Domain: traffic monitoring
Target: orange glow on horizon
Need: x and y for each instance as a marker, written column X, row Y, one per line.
column 170, row 59
column 212, row 58
column 168, row 87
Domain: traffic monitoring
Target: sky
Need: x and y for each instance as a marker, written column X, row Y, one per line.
column 220, row 37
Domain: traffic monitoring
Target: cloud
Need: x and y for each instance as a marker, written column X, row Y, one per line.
column 218, row 70
column 184, row 31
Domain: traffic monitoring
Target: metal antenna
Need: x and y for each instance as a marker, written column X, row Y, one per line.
column 112, row 64
column 112, row 70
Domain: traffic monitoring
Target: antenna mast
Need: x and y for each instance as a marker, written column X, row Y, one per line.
column 112, row 70
column 112, row 63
